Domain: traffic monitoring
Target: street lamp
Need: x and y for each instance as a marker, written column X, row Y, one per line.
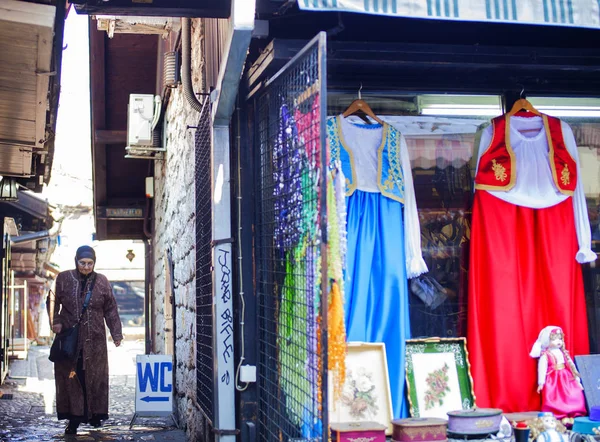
column 8, row 189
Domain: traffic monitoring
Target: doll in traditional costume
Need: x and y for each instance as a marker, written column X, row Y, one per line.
column 545, row 428
column 558, row 379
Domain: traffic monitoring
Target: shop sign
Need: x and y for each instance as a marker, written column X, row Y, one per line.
column 154, row 385
column 121, row 212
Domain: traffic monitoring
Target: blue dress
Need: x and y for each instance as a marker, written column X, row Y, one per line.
column 376, row 288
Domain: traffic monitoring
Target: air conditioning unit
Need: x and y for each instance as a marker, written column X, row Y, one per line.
column 143, row 138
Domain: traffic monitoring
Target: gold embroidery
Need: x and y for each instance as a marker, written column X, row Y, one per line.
column 559, row 366
column 347, row 183
column 484, row 423
column 499, row 171
column 415, row 433
column 389, row 182
column 565, row 176
column 361, row 439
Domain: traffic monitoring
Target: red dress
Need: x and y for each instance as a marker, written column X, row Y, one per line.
column 523, row 272
column 562, row 395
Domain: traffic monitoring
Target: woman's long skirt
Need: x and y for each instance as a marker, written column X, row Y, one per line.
column 376, row 289
column 523, row 277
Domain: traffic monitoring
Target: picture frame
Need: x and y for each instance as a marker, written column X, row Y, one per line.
column 366, row 395
column 438, row 377
column 589, row 368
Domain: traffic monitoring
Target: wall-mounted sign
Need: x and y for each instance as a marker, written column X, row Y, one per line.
column 120, row 213
column 154, row 385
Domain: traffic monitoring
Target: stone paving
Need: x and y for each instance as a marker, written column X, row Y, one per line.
column 31, row 414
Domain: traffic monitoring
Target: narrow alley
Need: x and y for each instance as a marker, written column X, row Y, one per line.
column 27, row 402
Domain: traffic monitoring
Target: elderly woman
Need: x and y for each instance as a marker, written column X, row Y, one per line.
column 82, row 385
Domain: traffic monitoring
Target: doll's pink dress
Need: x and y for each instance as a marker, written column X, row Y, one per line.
column 562, row 395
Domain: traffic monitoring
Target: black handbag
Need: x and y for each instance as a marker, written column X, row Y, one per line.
column 64, row 347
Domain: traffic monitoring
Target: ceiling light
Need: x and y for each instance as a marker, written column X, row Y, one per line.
column 8, row 189
column 462, row 105
column 464, row 110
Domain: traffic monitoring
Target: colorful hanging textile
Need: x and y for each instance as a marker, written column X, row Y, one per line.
column 298, row 237
column 287, row 177
column 336, row 258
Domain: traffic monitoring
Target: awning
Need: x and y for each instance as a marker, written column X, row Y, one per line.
column 33, row 205
column 576, row 13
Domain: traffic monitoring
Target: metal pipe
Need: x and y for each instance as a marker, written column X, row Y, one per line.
column 186, row 64
column 30, row 236
column 147, row 303
column 230, row 74
column 173, row 302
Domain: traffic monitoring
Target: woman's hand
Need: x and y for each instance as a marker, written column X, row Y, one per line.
column 56, row 328
column 117, row 343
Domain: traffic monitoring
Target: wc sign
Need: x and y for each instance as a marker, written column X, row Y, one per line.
column 154, row 385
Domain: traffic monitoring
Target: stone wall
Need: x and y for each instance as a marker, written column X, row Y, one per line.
column 174, row 224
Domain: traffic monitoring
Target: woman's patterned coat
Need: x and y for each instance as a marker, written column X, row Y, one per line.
column 67, row 307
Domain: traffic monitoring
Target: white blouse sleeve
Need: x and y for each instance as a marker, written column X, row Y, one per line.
column 484, row 133
column 542, row 369
column 415, row 265
column 582, row 221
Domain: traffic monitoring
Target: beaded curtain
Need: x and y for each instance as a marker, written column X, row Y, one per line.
column 293, row 282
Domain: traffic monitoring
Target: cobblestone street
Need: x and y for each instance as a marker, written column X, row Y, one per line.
column 29, row 415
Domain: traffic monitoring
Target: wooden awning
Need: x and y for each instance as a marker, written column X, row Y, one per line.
column 28, row 74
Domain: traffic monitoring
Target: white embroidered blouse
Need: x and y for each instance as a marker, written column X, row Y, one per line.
column 364, row 141
column 535, row 186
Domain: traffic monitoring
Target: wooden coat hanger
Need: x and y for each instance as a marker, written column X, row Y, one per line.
column 361, row 107
column 523, row 104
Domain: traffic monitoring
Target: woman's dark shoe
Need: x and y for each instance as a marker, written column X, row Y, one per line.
column 71, row 428
column 95, row 422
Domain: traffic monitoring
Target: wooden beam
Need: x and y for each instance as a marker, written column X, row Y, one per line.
column 98, row 100
column 18, row 130
column 27, row 13
column 44, row 56
column 22, row 250
column 17, row 32
column 159, row 8
column 110, row 136
column 17, row 110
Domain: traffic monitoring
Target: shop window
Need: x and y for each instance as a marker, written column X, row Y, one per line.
column 441, row 132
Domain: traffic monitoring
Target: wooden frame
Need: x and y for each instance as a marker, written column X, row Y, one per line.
column 366, row 395
column 438, row 376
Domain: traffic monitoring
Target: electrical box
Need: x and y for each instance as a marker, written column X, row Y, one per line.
column 140, row 116
column 248, row 373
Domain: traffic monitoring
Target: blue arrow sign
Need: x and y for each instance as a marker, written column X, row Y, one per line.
column 155, row 399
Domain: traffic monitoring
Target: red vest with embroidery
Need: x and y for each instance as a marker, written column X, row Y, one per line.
column 498, row 166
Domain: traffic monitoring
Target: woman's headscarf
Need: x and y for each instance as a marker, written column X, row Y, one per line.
column 85, row 252
column 543, row 340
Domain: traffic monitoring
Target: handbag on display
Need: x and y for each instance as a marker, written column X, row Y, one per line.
column 64, row 347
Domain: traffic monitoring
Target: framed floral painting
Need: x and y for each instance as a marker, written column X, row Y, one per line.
column 438, row 377
column 366, row 393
